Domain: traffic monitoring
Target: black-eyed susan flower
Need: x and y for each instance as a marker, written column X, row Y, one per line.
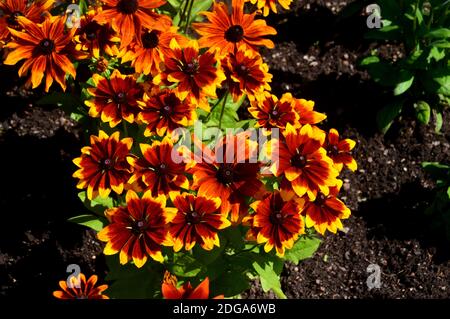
column 339, row 150
column 103, row 165
column 79, row 288
column 44, row 46
column 114, row 99
column 301, row 158
column 277, row 222
column 95, row 39
column 326, row 211
column 186, row 291
column 225, row 31
column 305, row 110
column 158, row 170
column 32, row 10
column 197, row 75
column 147, row 51
column 271, row 112
column 197, row 220
column 270, row 5
column 165, row 112
column 138, row 229
column 230, row 173
column 128, row 16
column 246, row 73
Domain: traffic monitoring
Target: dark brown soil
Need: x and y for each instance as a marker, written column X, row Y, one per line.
column 315, row 58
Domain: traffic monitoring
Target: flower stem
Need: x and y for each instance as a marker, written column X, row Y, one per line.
column 188, row 18
column 125, row 128
column 223, row 110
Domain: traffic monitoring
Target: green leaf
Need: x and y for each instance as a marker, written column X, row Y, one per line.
column 436, row 170
column 185, row 265
column 423, row 111
column 229, row 283
column 230, row 116
column 390, row 32
column 97, row 205
column 175, row 3
column 304, row 248
column 436, row 54
column 387, row 114
column 438, row 33
column 269, row 279
column 83, row 6
column 97, row 223
column 406, row 80
column 200, row 6
column 208, row 257
column 448, row 192
column 438, row 122
column 437, row 81
column 380, row 71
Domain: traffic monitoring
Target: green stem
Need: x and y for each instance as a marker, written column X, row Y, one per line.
column 125, row 128
column 188, row 16
column 246, row 250
column 415, row 23
column 183, row 12
column 223, row 110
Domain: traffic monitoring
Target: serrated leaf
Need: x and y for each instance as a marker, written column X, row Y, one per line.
column 304, row 248
column 96, row 223
column 269, row 279
column 423, row 111
column 406, row 80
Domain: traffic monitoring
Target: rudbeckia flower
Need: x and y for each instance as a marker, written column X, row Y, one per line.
column 267, row 5
column 44, row 46
column 339, row 151
column 115, row 98
column 158, row 170
column 197, row 220
column 128, row 16
column 271, row 112
column 95, row 39
column 304, row 163
column 305, row 110
column 225, row 31
column 246, row 73
column 276, row 222
column 196, row 74
column 326, row 211
column 230, row 173
column 103, row 165
column 12, row 9
column 79, row 288
column 164, row 112
column 186, row 291
column 147, row 51
column 138, row 229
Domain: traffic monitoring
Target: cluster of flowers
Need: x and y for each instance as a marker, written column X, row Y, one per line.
column 185, row 203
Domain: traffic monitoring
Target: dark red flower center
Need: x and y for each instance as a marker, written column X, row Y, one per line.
column 276, row 218
column 333, row 150
column 138, row 227
column 47, row 46
column 234, row 33
column 299, row 160
column 106, row 164
column 120, row 98
column 320, row 199
column 242, row 70
column 169, row 104
column 90, row 30
column 225, row 175
column 150, row 40
column 193, row 218
column 128, row 6
column 12, row 19
column 161, row 169
column 191, row 68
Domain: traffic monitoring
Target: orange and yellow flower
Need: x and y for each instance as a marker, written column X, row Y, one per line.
column 165, row 112
column 128, row 16
column 227, row 31
column 271, row 112
column 147, row 51
column 103, row 165
column 197, row 220
column 276, row 223
column 186, row 291
column 158, row 170
column 44, row 46
column 339, row 151
column 115, row 98
column 267, row 5
column 196, row 74
column 305, row 110
column 138, row 229
column 95, row 39
column 326, row 211
column 304, row 162
column 230, row 173
column 12, row 9
column 79, row 288
column 246, row 73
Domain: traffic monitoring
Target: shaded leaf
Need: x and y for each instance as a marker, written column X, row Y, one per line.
column 97, row 223
column 304, row 248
